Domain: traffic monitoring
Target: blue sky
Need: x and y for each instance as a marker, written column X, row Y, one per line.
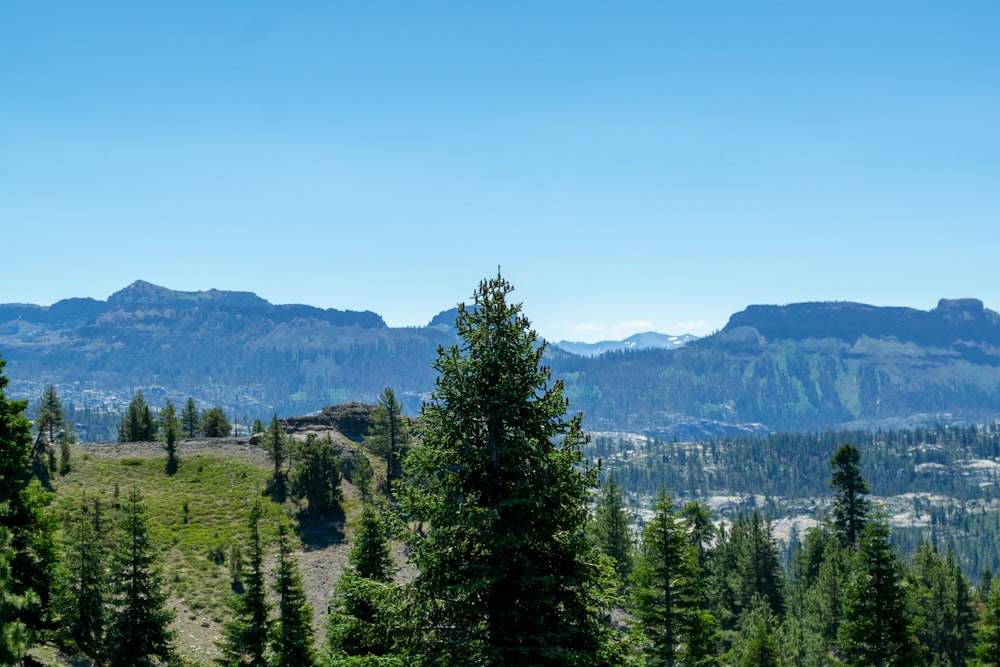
column 629, row 166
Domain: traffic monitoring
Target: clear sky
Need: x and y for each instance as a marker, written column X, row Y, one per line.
column 628, row 165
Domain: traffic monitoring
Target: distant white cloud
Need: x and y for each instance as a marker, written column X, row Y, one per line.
column 699, row 327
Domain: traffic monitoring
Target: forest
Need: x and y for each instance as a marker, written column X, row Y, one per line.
column 515, row 530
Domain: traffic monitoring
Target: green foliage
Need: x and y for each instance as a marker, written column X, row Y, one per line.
column 31, row 555
column 292, row 633
column 850, row 509
column 138, row 424
column 877, row 628
column 139, row 620
column 389, row 435
column 316, row 475
column 190, row 419
column 245, row 633
column 757, row 646
column 170, row 427
column 258, row 426
column 15, row 636
column 84, row 592
column 371, row 556
column 988, row 632
column 276, row 443
column 505, row 569
column 669, row 592
column 746, row 566
column 609, row 529
column 362, row 611
column 214, row 423
column 941, row 605
column 362, row 474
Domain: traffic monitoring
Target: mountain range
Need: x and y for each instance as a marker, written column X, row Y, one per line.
column 805, row 366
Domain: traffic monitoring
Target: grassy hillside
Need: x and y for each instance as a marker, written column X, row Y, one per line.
column 196, row 515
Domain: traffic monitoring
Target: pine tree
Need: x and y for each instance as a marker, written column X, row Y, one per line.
column 170, row 426
column 139, row 620
column 609, row 530
column 362, row 474
column 85, row 590
column 292, row 633
column 138, row 424
column 214, row 423
column 15, row 636
column 31, row 528
column 758, row 626
column 850, row 509
column 245, row 634
column 316, row 475
column 505, row 568
column 358, row 625
column 669, row 591
column 940, row 600
column 746, row 564
column 191, row 419
column 988, row 632
column 389, row 435
column 49, row 420
column 877, row 629
column 276, row 444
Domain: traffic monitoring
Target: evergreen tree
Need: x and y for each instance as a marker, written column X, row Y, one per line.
column 245, row 634
column 191, row 419
column 32, row 554
column 214, row 423
column 138, row 424
column 85, row 590
column 50, row 418
column 702, row 531
column 362, row 474
column 276, row 444
column 758, row 626
column 669, row 592
column 389, row 435
column 292, row 633
column 876, row 629
column 170, row 426
column 941, row 605
column 358, row 626
column 15, row 636
column 505, row 567
column 316, row 475
column 746, row 565
column 850, row 509
column 609, row 530
column 138, row 622
column 258, row 426
column 988, row 632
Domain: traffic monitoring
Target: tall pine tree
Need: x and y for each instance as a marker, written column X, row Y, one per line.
column 609, row 530
column 669, row 592
column 505, row 568
column 245, row 634
column 139, row 620
column 850, row 509
column 389, row 435
column 292, row 633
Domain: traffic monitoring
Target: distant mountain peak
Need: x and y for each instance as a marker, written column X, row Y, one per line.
column 640, row 341
column 142, row 292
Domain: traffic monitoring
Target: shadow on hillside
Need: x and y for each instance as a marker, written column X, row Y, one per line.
column 319, row 531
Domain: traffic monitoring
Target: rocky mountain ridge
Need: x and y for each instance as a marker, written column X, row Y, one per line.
column 793, row 367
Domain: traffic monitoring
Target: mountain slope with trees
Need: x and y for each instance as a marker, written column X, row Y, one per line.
column 804, row 366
